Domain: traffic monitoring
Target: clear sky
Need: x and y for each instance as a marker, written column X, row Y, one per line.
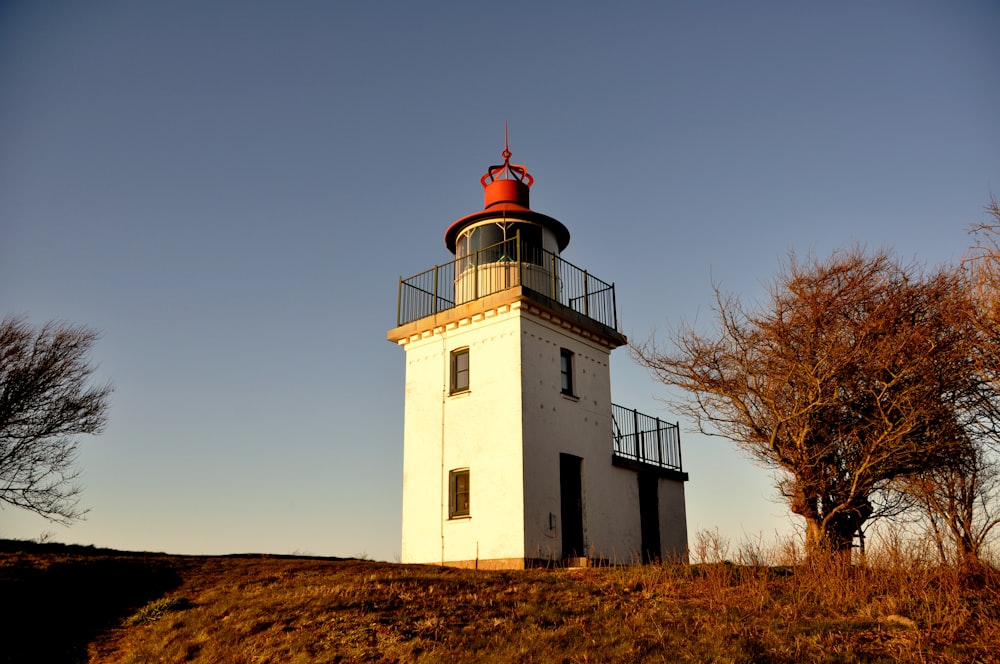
column 229, row 191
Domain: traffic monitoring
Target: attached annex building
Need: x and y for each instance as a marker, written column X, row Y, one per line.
column 513, row 453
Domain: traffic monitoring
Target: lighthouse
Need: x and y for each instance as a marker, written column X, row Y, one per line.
column 513, row 453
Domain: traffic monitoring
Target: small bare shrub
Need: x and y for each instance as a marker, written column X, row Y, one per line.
column 710, row 546
column 157, row 609
column 753, row 553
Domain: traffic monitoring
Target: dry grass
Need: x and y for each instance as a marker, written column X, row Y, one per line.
column 898, row 608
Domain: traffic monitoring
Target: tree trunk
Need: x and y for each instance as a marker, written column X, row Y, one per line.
column 829, row 540
column 815, row 539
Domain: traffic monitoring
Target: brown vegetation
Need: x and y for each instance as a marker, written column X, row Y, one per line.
column 897, row 608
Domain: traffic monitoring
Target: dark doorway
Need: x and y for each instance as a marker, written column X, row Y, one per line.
column 649, row 517
column 571, row 498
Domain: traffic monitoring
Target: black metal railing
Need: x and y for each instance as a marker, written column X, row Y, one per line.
column 501, row 266
column 426, row 293
column 645, row 439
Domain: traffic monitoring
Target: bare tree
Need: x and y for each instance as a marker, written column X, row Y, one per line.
column 45, row 402
column 961, row 505
column 981, row 269
column 983, row 264
column 846, row 380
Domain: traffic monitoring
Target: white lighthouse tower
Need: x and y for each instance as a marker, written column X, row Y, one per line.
column 513, row 453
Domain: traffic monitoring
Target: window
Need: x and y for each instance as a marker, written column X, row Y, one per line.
column 458, row 492
column 566, row 367
column 459, row 370
column 493, row 241
column 531, row 241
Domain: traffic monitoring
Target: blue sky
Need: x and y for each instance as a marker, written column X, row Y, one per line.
column 229, row 191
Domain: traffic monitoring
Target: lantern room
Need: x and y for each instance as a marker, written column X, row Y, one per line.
column 505, row 244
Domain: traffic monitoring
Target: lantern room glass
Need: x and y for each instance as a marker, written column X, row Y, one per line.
column 495, row 242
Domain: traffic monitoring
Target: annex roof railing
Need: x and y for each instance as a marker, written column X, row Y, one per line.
column 645, row 440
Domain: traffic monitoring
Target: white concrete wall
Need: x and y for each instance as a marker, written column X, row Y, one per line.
column 581, row 426
column 673, row 520
column 422, row 435
column 479, row 430
column 622, row 541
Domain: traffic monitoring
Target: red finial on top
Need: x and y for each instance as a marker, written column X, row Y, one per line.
column 506, row 150
column 507, row 170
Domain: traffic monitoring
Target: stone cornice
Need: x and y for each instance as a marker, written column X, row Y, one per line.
column 518, row 298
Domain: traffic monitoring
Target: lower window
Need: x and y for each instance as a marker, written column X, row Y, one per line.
column 458, row 492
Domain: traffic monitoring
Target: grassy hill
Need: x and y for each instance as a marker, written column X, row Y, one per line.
column 77, row 604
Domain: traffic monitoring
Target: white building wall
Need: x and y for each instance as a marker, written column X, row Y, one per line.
column 673, row 520
column 581, row 425
column 479, row 430
column 422, row 435
column 622, row 535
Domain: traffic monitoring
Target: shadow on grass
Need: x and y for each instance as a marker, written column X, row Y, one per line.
column 55, row 599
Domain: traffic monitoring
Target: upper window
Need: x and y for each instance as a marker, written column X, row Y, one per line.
column 531, row 241
column 459, row 371
column 458, row 493
column 566, row 368
column 494, row 242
